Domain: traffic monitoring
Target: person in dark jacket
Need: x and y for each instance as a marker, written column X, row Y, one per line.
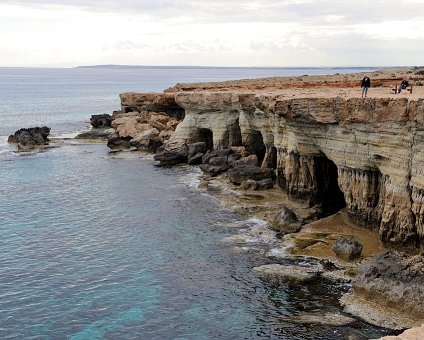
column 403, row 85
column 365, row 84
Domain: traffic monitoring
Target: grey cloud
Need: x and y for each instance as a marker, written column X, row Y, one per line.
column 221, row 11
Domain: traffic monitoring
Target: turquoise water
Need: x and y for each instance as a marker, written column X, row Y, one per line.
column 99, row 245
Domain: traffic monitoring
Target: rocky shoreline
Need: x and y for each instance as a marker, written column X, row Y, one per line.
column 315, row 161
column 310, row 146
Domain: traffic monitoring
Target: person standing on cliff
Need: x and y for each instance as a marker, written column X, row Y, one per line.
column 365, row 84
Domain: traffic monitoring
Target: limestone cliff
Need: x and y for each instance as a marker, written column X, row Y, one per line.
column 364, row 153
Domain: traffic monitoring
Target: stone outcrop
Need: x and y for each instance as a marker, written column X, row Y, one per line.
column 31, row 138
column 147, row 120
column 397, row 282
column 347, row 249
column 365, row 154
column 102, row 121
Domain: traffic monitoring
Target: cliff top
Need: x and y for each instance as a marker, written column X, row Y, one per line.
column 340, row 85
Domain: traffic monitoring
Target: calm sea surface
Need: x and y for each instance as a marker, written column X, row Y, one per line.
column 98, row 245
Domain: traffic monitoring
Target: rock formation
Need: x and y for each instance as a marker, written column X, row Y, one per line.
column 365, row 154
column 145, row 121
column 394, row 281
column 28, row 139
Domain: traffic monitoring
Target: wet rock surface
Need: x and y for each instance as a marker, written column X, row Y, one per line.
column 30, row 138
column 276, row 273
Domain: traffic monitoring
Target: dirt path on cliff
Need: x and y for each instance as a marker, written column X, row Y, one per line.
column 325, row 86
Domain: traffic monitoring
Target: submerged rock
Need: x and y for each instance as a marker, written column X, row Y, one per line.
column 275, row 273
column 97, row 134
column 332, row 319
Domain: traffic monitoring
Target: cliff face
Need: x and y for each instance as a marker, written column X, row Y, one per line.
column 365, row 153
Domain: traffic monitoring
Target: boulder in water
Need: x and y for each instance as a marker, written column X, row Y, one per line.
column 30, row 138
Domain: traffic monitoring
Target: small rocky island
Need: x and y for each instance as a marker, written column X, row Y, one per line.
column 316, row 140
column 28, row 139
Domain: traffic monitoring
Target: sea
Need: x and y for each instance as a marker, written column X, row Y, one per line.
column 96, row 244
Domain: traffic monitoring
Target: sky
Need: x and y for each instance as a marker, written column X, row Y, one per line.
column 286, row 33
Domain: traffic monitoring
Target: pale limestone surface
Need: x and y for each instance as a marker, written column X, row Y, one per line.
column 272, row 272
column 376, row 145
column 416, row 333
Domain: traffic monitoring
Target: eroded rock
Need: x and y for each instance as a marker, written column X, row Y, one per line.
column 102, row 121
column 27, row 139
column 387, row 291
column 241, row 173
column 347, row 249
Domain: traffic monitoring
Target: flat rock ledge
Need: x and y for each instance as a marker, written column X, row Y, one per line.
column 388, row 291
column 276, row 273
column 376, row 313
column 333, row 319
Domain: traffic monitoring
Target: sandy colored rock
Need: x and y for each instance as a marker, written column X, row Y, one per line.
column 277, row 272
column 416, row 333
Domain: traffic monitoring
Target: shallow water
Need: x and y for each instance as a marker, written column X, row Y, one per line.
column 96, row 247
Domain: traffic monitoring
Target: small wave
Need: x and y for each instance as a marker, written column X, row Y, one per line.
column 252, row 231
column 5, row 147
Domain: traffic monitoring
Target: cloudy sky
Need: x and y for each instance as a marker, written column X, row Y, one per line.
column 212, row 32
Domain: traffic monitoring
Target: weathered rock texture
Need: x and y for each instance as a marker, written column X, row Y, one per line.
column 146, row 120
column 362, row 153
column 27, row 139
column 397, row 282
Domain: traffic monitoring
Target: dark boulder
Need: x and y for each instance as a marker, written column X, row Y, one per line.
column 215, row 153
column 241, row 173
column 172, row 153
column 31, row 137
column 286, row 221
column 102, row 121
column 248, row 160
column 196, row 148
column 195, row 159
column 347, row 249
column 265, row 184
column 119, row 143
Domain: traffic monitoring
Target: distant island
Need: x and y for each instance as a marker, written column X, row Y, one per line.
column 114, row 66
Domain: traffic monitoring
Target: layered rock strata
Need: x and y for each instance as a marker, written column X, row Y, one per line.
column 365, row 154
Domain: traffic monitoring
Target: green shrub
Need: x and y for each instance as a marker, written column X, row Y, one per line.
column 420, row 73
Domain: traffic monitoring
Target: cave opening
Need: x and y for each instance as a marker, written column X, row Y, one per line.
column 254, row 144
column 206, row 135
column 328, row 194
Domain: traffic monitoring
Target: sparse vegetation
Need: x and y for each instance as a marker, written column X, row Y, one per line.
column 419, row 83
column 420, row 73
